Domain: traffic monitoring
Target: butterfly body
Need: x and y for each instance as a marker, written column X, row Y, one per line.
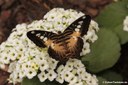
column 65, row 45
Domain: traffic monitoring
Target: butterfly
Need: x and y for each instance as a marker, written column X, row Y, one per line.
column 65, row 45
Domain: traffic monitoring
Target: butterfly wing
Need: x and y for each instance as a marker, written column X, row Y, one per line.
column 80, row 25
column 75, row 31
column 41, row 38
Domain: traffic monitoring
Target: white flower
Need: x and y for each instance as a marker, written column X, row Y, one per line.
column 68, row 76
column 25, row 67
column 78, row 64
column 125, row 23
column 52, row 63
column 22, row 74
column 86, row 49
column 42, row 76
column 43, row 65
column 94, row 26
column 60, row 68
column 69, row 66
column 13, row 54
column 79, row 82
column 51, row 75
column 31, row 73
column 12, row 66
column 60, row 78
column 73, row 81
column 92, row 81
column 5, row 58
column 86, row 76
column 14, row 77
column 81, row 71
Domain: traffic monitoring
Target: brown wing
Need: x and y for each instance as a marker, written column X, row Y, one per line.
column 41, row 38
column 57, row 52
column 81, row 25
column 75, row 45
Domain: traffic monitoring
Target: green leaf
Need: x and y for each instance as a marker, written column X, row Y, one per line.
column 101, row 80
column 104, row 52
column 112, row 18
column 35, row 81
column 110, row 76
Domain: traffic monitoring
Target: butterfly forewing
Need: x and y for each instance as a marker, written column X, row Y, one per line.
column 64, row 45
column 41, row 38
column 81, row 25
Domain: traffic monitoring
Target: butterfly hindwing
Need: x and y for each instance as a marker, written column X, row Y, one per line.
column 41, row 38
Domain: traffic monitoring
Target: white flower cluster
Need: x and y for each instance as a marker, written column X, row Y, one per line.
column 25, row 59
column 74, row 72
column 125, row 24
